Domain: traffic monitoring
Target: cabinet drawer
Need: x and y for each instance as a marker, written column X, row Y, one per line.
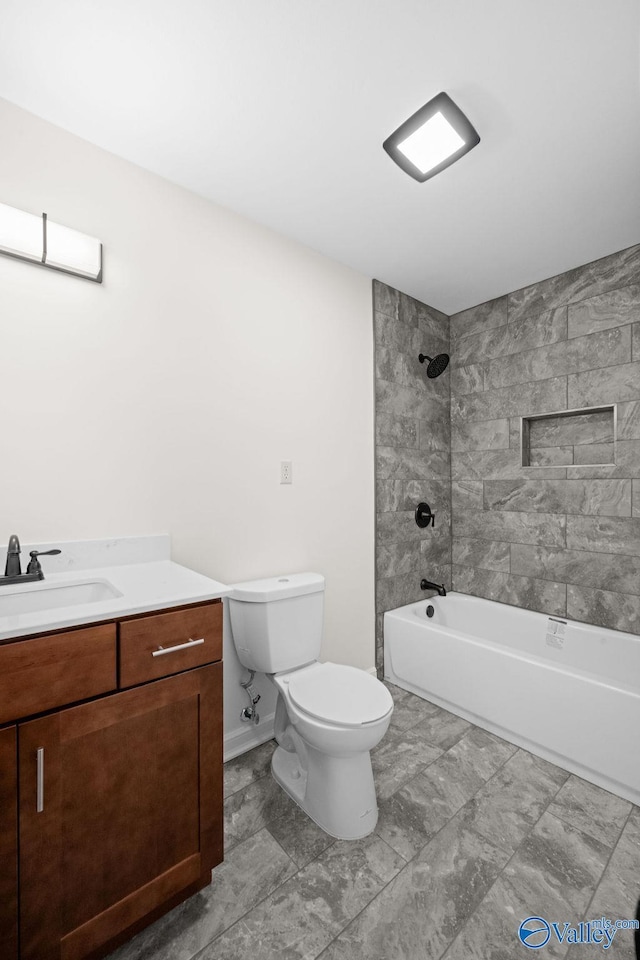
column 166, row 643
column 51, row 671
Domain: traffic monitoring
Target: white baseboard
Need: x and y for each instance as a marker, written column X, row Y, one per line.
column 247, row 737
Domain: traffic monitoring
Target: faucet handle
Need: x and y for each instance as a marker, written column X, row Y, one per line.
column 34, row 564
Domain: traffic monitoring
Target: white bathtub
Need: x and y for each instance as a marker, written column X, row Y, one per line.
column 567, row 691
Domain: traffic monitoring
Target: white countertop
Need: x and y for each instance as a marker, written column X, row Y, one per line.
column 151, row 584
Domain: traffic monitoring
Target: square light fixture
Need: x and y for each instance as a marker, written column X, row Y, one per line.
column 27, row 236
column 432, row 139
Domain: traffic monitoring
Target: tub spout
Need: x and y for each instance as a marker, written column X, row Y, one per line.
column 428, row 585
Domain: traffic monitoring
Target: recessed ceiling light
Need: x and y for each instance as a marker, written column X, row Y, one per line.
column 432, row 139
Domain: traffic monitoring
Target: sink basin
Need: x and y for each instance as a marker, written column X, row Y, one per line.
column 33, row 598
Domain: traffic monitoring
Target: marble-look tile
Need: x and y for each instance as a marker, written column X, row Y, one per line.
column 441, row 729
column 483, row 554
column 435, row 551
column 405, row 369
column 580, row 567
column 394, row 559
column 248, row 810
column 401, row 401
column 507, row 807
column 399, row 759
column 606, row 310
column 617, row 893
column 407, row 338
column 604, row 534
column 467, row 495
column 432, row 323
column 607, row 349
column 414, row 814
column 402, row 463
column 552, row 875
column 250, row 766
column 422, row 910
column 435, row 434
column 619, row 611
column 569, row 430
column 635, row 348
column 251, row 872
column 479, row 319
column 394, row 495
column 397, row 693
column 582, row 282
column 409, row 711
column 519, row 400
column 635, row 499
column 300, row 838
column 608, row 385
column 468, row 379
column 525, row 334
column 481, row 435
column 588, row 453
column 396, row 431
column 497, row 465
column 610, row 498
column 392, row 592
column 544, row 596
column 401, row 526
column 386, row 299
column 629, row 420
column 512, row 527
column 306, row 912
column 550, row 456
column 594, row 811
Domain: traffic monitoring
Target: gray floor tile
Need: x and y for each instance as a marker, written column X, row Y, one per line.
column 300, row 838
column 250, row 873
column 243, row 770
column 442, row 729
column 301, row 918
column 398, row 759
column 421, row 911
column 589, row 808
column 253, row 807
column 508, row 806
column 409, row 711
column 619, row 889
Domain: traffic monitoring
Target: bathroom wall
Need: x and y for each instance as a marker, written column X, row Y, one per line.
column 164, row 399
column 564, row 540
column 412, row 451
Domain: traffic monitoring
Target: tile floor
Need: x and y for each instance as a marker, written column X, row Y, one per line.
column 474, row 835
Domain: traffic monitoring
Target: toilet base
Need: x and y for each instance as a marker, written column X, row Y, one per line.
column 338, row 793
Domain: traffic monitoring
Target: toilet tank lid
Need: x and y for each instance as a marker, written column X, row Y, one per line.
column 277, row 588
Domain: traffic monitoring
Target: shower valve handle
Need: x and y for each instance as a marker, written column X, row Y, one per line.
column 424, row 516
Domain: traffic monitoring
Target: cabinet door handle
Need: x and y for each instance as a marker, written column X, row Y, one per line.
column 39, row 779
column 160, row 652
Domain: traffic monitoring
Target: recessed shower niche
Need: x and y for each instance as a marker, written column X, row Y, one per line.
column 584, row 437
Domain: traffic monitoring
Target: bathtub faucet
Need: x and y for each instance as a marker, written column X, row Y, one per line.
column 428, row 585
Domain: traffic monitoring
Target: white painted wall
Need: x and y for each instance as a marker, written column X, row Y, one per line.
column 165, row 398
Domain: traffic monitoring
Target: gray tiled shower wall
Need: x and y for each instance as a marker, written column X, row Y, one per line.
column 564, row 540
column 413, row 450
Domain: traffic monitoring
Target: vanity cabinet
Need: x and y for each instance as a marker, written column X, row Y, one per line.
column 119, row 812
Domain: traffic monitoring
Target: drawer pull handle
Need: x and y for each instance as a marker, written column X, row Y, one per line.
column 160, row 652
column 40, row 780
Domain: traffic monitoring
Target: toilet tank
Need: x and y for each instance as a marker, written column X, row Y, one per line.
column 277, row 622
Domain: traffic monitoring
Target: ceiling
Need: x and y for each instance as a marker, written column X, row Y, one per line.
column 277, row 109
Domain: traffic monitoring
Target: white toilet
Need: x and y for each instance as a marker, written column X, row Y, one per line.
column 328, row 716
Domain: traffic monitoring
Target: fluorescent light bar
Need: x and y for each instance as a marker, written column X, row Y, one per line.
column 25, row 236
column 432, row 139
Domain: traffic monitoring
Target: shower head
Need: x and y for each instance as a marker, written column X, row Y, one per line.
column 437, row 365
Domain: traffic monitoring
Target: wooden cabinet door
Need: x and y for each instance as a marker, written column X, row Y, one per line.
column 122, row 815
column 8, row 845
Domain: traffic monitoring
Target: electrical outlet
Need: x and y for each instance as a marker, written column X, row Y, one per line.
column 286, row 471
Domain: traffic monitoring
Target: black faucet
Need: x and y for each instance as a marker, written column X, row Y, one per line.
column 13, row 571
column 428, row 585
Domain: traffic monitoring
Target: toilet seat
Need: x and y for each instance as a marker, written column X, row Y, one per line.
column 339, row 695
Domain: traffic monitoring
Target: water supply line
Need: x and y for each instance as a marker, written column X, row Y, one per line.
column 249, row 714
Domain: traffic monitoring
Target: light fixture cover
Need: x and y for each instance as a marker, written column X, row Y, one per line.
column 432, row 139
column 27, row 236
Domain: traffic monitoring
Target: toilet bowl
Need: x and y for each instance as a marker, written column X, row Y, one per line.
column 328, row 716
